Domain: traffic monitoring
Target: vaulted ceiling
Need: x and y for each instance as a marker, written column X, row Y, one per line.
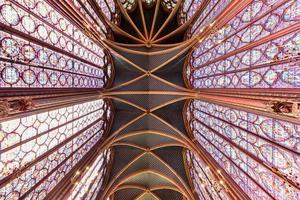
column 149, row 99
column 148, row 134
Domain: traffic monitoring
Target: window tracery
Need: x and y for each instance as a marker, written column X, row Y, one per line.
column 209, row 14
column 90, row 184
column 110, row 10
column 42, row 148
column 259, row 152
column 90, row 14
column 46, row 50
column 129, row 5
column 225, row 59
column 206, row 186
column 168, row 5
column 42, row 49
column 188, row 9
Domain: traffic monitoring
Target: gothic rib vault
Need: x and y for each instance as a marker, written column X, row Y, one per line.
column 148, row 134
column 150, row 99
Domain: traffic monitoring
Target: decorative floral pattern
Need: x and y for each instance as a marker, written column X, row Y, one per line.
column 148, row 3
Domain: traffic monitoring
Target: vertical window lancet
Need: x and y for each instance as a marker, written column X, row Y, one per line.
column 258, row 48
column 188, row 9
column 42, row 148
column 258, row 152
column 206, row 186
column 92, row 180
column 41, row 49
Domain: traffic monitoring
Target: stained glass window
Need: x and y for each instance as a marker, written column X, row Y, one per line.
column 91, row 182
column 109, row 10
column 149, row 3
column 168, row 5
column 261, row 154
column 208, row 15
column 206, row 186
column 188, row 9
column 85, row 8
column 129, row 5
column 40, row 48
column 42, row 148
column 256, row 49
